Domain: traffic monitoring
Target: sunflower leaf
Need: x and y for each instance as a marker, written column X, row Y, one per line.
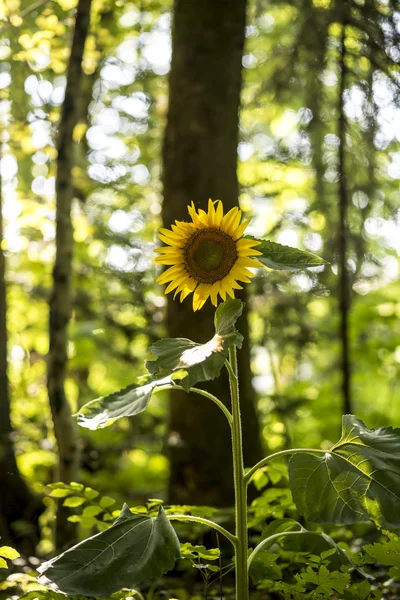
column 225, row 318
column 201, row 362
column 276, row 256
column 134, row 549
column 128, row 402
column 357, row 480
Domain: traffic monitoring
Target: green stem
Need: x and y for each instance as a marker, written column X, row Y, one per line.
column 242, row 576
column 269, row 540
column 214, row 399
column 232, row 538
column 266, row 460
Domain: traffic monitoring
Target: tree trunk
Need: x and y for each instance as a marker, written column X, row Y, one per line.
column 20, row 509
column 200, row 156
column 61, row 299
column 344, row 279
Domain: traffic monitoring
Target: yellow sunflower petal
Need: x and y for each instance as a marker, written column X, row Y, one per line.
column 211, row 214
column 227, row 288
column 175, row 283
column 169, row 274
column 187, row 289
column 231, row 221
column 176, row 242
column 170, row 260
column 240, row 230
column 249, row 252
column 214, row 292
column 247, row 243
column 193, row 214
column 245, row 261
column 170, row 234
column 219, row 213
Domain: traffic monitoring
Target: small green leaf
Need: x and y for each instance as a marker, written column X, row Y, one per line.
column 225, row 318
column 276, row 256
column 74, row 501
column 134, row 549
column 90, row 493
column 196, row 552
column 325, row 580
column 358, row 480
column 60, row 493
column 78, row 487
column 3, row 564
column 7, row 552
column 92, row 511
column 60, row 485
column 106, row 501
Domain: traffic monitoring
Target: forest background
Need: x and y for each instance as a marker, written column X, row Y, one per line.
column 84, row 135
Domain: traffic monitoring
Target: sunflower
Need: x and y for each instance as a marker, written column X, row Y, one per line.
column 207, row 256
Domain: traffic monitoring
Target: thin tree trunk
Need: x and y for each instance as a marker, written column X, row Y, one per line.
column 17, row 502
column 200, row 157
column 61, row 299
column 343, row 234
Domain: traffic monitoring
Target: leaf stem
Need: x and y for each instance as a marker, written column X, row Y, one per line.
column 195, row 390
column 266, row 459
column 269, row 540
column 232, row 538
column 242, row 577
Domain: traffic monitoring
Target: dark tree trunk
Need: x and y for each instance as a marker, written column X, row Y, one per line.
column 20, row 509
column 200, row 156
column 344, row 291
column 61, row 299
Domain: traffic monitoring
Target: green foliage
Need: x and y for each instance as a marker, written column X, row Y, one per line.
column 179, row 360
column 134, row 549
column 386, row 553
column 200, row 362
column 128, row 402
column 96, row 509
column 7, row 553
column 199, row 552
column 289, row 184
column 264, row 567
column 359, row 479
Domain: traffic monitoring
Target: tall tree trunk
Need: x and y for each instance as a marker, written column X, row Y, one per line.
column 200, row 157
column 61, row 298
column 17, row 502
column 343, row 234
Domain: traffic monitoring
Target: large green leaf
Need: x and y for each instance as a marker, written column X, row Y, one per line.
column 357, row 480
column 134, row 549
column 199, row 362
column 128, row 402
column 276, row 256
column 177, row 359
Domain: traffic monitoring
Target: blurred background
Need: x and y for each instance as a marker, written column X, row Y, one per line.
column 317, row 148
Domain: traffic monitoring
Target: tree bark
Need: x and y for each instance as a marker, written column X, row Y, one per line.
column 200, row 157
column 18, row 505
column 344, row 291
column 61, row 298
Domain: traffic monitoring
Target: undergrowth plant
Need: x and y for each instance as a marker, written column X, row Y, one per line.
column 356, row 480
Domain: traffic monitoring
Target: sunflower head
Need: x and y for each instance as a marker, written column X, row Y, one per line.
column 207, row 256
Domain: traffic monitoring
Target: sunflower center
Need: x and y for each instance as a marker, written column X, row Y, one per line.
column 209, row 255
